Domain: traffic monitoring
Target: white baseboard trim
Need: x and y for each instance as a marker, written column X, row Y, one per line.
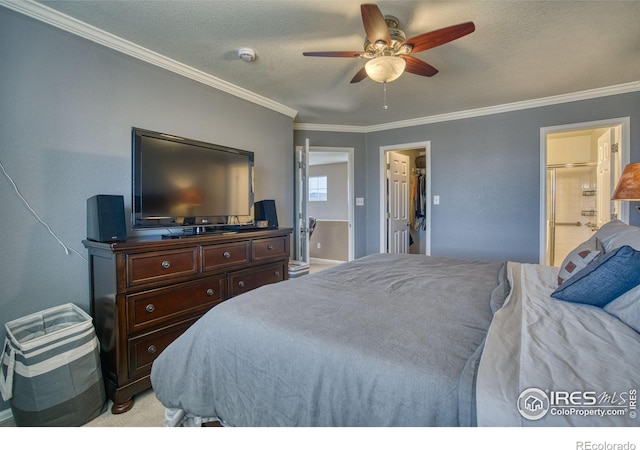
column 324, row 261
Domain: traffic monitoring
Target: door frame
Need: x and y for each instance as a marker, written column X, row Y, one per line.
column 350, row 188
column 382, row 195
column 625, row 136
column 350, row 151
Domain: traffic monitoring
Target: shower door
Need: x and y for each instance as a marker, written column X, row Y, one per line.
column 572, row 208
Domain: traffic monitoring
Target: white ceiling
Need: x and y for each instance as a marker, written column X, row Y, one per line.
column 521, row 50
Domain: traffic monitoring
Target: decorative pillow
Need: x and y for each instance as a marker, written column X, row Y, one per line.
column 616, row 233
column 606, row 278
column 627, row 308
column 578, row 258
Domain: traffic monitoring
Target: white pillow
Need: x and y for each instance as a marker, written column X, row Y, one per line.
column 616, row 233
column 627, row 308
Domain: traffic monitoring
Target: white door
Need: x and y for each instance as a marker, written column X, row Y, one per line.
column 603, row 193
column 608, row 162
column 301, row 229
column 398, row 204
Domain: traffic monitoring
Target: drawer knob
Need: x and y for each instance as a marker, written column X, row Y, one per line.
column 226, row 255
column 152, row 349
column 277, row 273
column 166, row 264
column 150, row 307
column 269, row 247
column 241, row 283
column 210, row 292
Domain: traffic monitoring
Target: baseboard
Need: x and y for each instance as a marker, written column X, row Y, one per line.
column 324, row 261
column 6, row 415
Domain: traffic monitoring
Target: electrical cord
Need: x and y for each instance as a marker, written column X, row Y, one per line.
column 67, row 250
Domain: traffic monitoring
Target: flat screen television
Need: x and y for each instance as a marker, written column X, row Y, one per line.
column 180, row 182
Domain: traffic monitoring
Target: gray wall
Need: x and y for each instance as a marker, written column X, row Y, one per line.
column 332, row 230
column 333, row 238
column 486, row 172
column 337, row 205
column 66, row 111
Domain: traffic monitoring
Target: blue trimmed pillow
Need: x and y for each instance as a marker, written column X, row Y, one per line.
column 603, row 280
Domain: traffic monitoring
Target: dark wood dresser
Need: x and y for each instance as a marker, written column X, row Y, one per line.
column 147, row 291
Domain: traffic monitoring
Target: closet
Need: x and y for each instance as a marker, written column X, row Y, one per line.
column 417, row 201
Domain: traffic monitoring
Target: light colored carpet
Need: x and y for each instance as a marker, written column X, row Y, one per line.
column 317, row 265
column 146, row 412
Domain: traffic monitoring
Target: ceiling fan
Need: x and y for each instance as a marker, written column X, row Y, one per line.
column 389, row 52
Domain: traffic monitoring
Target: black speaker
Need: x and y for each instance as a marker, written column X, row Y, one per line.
column 105, row 218
column 265, row 210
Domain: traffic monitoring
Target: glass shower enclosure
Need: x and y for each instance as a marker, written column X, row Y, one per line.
column 571, row 208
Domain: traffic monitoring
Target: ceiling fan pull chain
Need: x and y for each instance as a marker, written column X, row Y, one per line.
column 385, row 96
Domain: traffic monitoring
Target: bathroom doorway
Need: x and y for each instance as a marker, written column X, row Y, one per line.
column 582, row 164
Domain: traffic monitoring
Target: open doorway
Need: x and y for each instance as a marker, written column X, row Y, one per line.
column 330, row 205
column 581, row 164
column 324, row 205
column 405, row 190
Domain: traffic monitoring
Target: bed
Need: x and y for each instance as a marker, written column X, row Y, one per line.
column 413, row 340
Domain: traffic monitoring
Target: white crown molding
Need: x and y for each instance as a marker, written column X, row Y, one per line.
column 52, row 17
column 509, row 107
column 329, row 127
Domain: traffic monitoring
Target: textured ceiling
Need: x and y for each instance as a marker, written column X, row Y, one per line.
column 520, row 51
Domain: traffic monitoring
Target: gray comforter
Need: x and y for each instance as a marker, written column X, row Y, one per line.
column 386, row 340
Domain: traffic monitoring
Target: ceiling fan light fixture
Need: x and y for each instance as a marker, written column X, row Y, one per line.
column 405, row 49
column 380, row 45
column 385, row 68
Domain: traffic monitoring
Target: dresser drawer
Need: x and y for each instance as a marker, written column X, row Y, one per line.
column 153, row 308
column 144, row 349
column 270, row 248
column 145, row 268
column 246, row 280
column 215, row 257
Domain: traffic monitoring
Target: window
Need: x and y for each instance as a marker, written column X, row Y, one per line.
column 318, row 189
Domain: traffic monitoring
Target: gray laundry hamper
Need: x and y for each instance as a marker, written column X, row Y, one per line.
column 50, row 369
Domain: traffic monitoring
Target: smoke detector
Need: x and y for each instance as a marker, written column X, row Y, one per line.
column 246, row 54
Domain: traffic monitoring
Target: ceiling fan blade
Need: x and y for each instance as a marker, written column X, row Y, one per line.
column 361, row 75
column 335, row 54
column 438, row 37
column 418, row 67
column 374, row 24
